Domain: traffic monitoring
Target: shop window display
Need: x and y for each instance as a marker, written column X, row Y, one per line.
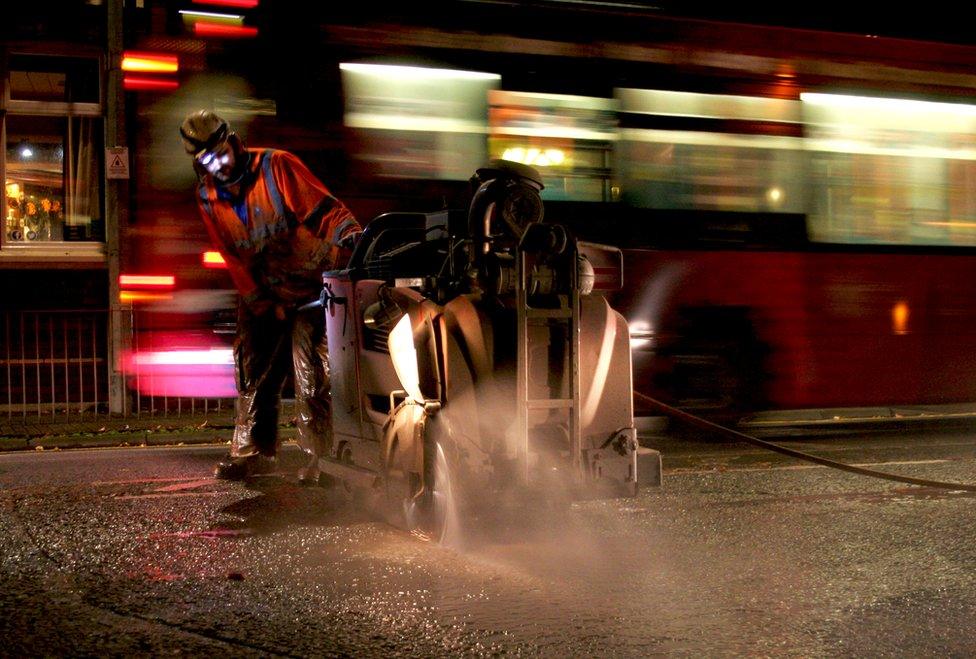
column 52, row 187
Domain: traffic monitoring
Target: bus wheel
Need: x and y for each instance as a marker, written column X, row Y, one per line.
column 716, row 364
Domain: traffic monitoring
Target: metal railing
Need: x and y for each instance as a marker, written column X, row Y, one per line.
column 53, row 363
column 55, row 366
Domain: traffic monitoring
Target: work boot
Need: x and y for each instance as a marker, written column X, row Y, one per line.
column 311, row 476
column 239, row 468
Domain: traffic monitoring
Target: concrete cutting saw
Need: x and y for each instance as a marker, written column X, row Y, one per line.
column 473, row 355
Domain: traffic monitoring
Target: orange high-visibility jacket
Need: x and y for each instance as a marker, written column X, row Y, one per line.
column 283, row 230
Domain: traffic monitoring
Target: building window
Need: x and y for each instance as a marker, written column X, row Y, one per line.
column 53, row 179
column 53, row 79
column 53, row 152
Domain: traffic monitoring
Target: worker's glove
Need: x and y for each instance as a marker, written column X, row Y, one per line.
column 349, row 241
column 263, row 306
column 260, row 306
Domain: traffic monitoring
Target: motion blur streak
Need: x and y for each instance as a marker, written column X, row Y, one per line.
column 417, row 122
column 208, row 29
column 906, row 106
column 150, row 62
column 416, row 72
column 224, row 19
column 212, row 259
column 147, row 281
column 182, row 364
column 241, row 4
column 129, row 297
column 139, row 83
column 185, row 357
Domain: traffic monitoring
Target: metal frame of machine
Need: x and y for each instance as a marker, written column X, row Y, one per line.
column 472, row 354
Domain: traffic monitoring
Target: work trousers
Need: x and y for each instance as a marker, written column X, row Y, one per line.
column 266, row 351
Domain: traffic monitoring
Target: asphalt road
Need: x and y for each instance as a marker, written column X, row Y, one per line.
column 139, row 551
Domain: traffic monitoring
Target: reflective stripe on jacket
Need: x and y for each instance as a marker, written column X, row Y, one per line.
column 282, row 234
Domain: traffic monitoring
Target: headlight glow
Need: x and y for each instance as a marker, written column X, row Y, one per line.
column 404, row 356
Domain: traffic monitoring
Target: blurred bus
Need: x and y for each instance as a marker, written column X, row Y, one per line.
column 797, row 208
column 806, row 252
column 803, row 253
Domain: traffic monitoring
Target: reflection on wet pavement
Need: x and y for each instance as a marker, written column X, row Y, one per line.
column 754, row 562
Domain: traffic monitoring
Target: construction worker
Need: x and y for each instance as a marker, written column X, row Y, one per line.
column 277, row 227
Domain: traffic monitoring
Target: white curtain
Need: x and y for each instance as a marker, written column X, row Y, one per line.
column 83, row 199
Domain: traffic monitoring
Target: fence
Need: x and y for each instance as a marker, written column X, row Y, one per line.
column 53, row 363
column 55, row 366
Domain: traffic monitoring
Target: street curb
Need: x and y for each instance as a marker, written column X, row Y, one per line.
column 118, row 439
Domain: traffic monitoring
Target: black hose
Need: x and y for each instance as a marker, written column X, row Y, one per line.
column 703, row 424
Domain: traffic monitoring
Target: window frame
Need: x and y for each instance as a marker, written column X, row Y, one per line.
column 91, row 251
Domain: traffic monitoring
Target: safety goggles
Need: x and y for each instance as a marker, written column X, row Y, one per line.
column 213, row 160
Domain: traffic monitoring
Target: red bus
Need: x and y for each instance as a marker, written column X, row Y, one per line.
column 820, row 256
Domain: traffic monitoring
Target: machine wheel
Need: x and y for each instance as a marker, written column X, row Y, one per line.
column 425, row 504
column 432, row 513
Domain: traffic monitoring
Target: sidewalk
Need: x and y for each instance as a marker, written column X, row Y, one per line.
column 826, row 420
column 40, row 432
column 34, row 432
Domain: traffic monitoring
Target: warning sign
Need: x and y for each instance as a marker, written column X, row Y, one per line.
column 117, row 162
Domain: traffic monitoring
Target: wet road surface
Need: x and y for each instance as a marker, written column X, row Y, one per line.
column 139, row 551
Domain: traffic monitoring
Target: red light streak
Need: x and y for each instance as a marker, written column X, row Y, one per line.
column 243, row 4
column 135, row 297
column 150, row 62
column 213, row 259
column 134, row 83
column 182, row 363
column 147, row 281
column 205, row 357
column 207, row 29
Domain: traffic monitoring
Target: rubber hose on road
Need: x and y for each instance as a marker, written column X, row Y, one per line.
column 708, row 426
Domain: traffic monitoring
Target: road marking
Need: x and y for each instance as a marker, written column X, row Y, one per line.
column 901, row 462
column 681, row 471
column 185, row 486
column 144, row 481
column 208, row 533
column 156, row 495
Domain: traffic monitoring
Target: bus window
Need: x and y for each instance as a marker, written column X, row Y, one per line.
column 416, row 122
column 890, row 171
column 567, row 138
column 687, row 151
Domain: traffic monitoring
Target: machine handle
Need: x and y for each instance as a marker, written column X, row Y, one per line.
column 326, row 299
